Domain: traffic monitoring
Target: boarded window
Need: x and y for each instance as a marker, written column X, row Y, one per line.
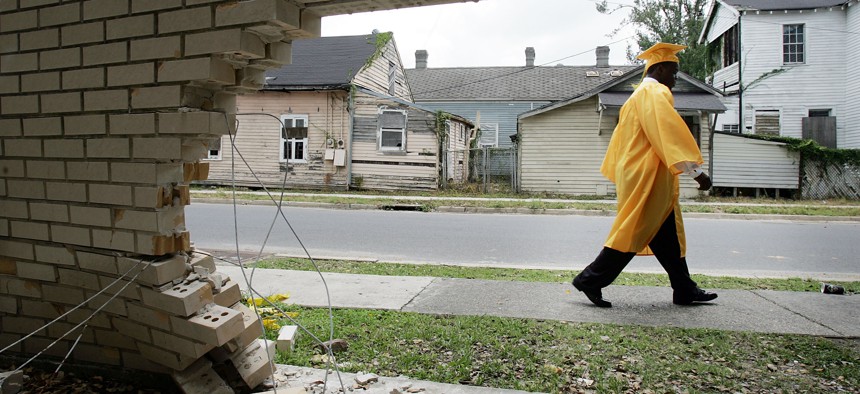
column 767, row 122
column 489, row 134
column 392, row 130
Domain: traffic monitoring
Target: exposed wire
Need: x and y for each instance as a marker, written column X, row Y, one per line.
column 295, row 234
column 85, row 321
column 73, row 309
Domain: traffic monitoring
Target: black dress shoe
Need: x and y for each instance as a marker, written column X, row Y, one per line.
column 698, row 295
column 595, row 296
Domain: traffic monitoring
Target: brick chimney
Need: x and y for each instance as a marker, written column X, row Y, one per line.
column 530, row 57
column 421, row 59
column 602, row 56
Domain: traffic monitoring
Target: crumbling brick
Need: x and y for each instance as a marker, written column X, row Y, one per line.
column 253, row 362
column 182, row 299
column 214, row 325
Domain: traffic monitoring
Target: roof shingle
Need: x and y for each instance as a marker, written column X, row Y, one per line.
column 506, row 83
column 323, row 62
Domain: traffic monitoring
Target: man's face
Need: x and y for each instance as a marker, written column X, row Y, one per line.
column 667, row 74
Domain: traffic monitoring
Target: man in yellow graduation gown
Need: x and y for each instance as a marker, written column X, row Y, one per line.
column 649, row 149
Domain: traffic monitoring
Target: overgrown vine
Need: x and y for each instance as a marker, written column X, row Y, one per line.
column 811, row 150
column 382, row 40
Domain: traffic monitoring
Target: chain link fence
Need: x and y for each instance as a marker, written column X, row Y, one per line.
column 822, row 180
column 492, row 169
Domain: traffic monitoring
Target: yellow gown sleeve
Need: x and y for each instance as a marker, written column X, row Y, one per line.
column 669, row 136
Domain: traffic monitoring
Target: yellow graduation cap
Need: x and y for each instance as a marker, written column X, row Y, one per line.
column 659, row 53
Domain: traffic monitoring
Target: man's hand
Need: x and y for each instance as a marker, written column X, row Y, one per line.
column 704, row 181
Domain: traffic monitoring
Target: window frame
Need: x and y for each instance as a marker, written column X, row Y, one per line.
column 819, row 112
column 381, row 130
column 798, row 46
column 209, row 155
column 289, row 120
column 731, row 128
column 730, row 47
column 485, row 126
column 392, row 78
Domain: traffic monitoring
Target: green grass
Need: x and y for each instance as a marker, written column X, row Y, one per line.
column 536, row 275
column 562, row 357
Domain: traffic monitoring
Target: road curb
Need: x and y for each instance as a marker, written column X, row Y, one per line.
column 532, row 211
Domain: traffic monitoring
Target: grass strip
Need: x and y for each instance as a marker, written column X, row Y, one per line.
column 429, row 206
column 538, row 275
column 564, row 357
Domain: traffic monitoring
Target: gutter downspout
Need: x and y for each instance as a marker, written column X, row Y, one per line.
column 741, row 126
column 350, row 108
column 711, row 147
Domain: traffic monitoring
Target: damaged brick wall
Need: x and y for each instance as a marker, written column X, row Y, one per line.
column 106, row 108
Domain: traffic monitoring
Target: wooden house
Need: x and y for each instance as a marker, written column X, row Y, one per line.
column 562, row 145
column 788, row 67
column 348, row 121
column 495, row 96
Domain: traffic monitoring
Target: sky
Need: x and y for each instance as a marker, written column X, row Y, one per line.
column 496, row 32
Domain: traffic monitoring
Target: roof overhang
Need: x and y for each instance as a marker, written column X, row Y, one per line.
column 343, row 7
column 305, row 88
column 683, row 101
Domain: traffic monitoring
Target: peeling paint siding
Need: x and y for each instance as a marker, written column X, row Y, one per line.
column 258, row 140
column 375, row 77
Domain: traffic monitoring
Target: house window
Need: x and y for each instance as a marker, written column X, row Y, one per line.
column 392, row 130
column 730, row 46
column 792, row 44
column 489, row 135
column 214, row 151
column 767, row 122
column 294, row 140
column 732, row 128
column 819, row 113
column 392, row 77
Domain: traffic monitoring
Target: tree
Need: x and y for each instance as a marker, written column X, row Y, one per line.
column 672, row 21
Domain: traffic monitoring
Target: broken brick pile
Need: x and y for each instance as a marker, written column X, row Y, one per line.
column 106, row 109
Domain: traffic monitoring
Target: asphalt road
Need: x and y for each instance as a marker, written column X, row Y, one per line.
column 776, row 248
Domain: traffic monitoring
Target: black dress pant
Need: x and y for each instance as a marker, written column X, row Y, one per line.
column 610, row 262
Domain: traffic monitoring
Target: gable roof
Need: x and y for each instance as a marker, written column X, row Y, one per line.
column 735, row 7
column 614, row 93
column 323, row 63
column 773, row 5
column 541, row 83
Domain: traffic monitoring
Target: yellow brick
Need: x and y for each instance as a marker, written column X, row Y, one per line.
column 30, row 230
column 216, row 325
column 114, row 240
column 97, row 262
column 49, row 212
column 55, row 255
column 182, row 299
column 182, row 346
column 42, row 272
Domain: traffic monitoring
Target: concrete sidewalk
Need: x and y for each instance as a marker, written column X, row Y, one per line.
column 763, row 311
